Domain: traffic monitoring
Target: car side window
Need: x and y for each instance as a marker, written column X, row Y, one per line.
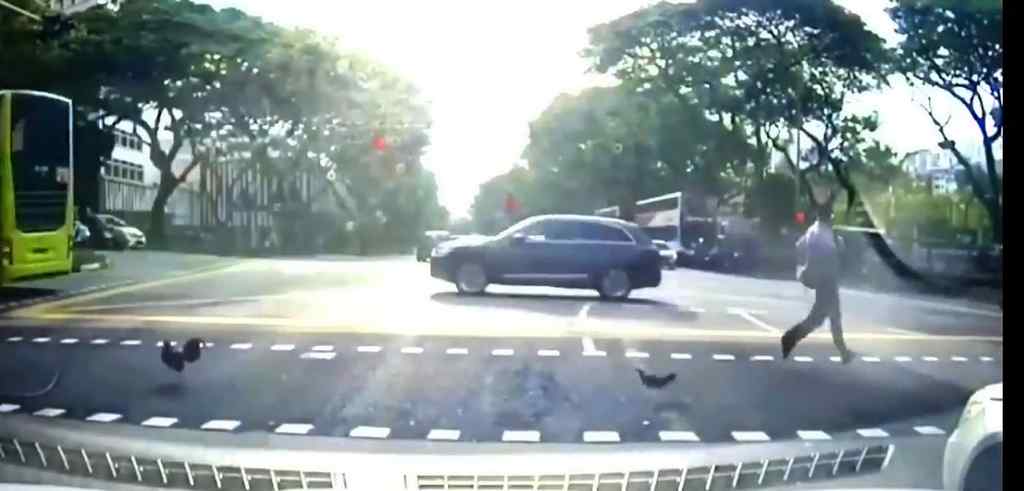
column 603, row 233
column 561, row 230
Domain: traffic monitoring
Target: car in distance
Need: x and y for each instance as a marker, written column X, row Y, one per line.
column 668, row 256
column 973, row 460
column 612, row 256
column 125, row 236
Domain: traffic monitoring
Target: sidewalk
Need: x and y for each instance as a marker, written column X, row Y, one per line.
column 126, row 267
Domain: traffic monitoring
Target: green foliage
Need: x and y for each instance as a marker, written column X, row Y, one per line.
column 275, row 101
column 957, row 47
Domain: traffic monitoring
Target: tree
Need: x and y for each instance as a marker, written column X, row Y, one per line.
column 759, row 68
column 956, row 47
column 156, row 62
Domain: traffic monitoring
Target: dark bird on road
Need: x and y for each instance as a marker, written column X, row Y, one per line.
column 175, row 359
column 655, row 381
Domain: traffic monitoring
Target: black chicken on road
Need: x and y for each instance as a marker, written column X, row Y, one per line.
column 175, row 358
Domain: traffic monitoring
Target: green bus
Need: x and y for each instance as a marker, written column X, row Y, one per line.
column 36, row 203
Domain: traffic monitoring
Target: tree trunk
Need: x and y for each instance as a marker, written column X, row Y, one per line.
column 993, row 202
column 157, row 216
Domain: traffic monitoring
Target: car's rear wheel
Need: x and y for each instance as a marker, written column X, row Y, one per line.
column 614, row 285
column 471, row 278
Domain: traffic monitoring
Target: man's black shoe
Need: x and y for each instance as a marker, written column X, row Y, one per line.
column 788, row 343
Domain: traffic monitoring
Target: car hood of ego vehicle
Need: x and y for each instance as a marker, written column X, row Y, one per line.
column 114, row 456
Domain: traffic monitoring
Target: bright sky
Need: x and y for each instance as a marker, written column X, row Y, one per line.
column 489, row 68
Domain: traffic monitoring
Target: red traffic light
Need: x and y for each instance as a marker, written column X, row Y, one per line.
column 801, row 217
column 379, row 143
column 512, row 205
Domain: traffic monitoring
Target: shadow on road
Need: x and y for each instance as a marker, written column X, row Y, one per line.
column 19, row 293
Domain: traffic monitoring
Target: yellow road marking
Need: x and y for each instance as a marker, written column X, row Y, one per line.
column 37, row 309
column 474, row 330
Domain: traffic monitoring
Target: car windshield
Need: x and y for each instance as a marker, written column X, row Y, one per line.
column 586, row 223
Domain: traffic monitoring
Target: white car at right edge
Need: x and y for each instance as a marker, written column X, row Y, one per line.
column 973, row 459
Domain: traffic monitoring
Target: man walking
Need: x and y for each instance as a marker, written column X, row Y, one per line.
column 819, row 253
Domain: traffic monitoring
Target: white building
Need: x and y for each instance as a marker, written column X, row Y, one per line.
column 75, row 6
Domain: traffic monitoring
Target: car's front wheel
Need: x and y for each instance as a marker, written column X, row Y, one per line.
column 471, row 278
column 614, row 285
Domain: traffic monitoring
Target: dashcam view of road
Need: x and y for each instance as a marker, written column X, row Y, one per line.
column 739, row 233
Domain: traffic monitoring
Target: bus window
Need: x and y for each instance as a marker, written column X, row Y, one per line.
column 41, row 161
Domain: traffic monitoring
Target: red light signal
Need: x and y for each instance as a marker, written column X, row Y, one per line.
column 512, row 205
column 379, row 143
column 801, row 217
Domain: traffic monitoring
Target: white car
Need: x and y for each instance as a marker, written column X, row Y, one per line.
column 974, row 452
column 128, row 236
column 668, row 255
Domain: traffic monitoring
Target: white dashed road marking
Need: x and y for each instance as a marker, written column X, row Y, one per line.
column 750, row 436
column 637, row 354
column 220, row 425
column 412, row 350
column 987, row 358
column 368, row 349
column 294, row 428
column 930, row 358
column 595, row 353
column 503, row 352
column 548, row 352
column 317, row 355
column 14, row 339
column 323, row 347
column 803, row 359
column 902, row 359
column 160, row 422
column 440, row 434
column 929, row 430
column 369, row 432
column 601, row 436
column 835, row 359
column 813, row 435
column 242, row 346
column 520, row 436
column 131, row 342
column 41, row 340
column 69, row 341
column 681, row 356
column 871, row 359
column 104, row 417
column 99, row 341
column 721, row 357
column 8, row 408
column 50, row 412
column 958, row 359
column 678, row 436
column 873, row 433
column 282, row 347
column 762, row 358
column 457, row 351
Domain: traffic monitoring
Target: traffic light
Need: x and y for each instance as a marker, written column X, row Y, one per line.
column 801, row 218
column 379, row 143
column 512, row 205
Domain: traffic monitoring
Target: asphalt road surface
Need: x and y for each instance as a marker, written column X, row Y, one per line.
column 378, row 349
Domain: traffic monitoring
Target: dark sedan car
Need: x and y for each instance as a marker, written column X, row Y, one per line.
column 570, row 251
